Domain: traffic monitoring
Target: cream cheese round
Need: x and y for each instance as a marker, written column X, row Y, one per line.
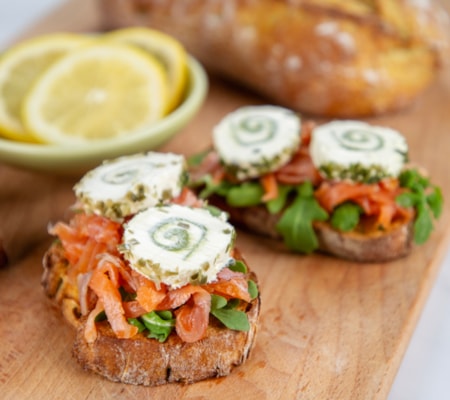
column 123, row 186
column 177, row 245
column 255, row 140
column 357, row 150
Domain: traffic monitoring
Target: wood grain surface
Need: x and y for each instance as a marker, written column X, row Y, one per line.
column 330, row 329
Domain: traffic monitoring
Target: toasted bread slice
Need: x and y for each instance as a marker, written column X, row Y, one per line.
column 373, row 246
column 144, row 361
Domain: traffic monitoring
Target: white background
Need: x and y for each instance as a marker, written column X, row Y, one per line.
column 425, row 370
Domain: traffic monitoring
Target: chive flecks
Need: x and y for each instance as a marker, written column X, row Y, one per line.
column 126, row 185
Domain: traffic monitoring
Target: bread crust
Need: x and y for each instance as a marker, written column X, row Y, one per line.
column 322, row 57
column 144, row 361
column 373, row 246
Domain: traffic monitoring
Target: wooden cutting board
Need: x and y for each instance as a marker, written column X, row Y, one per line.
column 330, row 329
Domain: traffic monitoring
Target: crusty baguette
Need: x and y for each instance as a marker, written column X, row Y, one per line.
column 143, row 361
column 373, row 246
column 325, row 57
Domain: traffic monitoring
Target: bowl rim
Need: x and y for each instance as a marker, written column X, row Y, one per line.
column 40, row 156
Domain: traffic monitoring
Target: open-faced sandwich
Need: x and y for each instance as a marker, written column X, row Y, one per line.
column 345, row 187
column 150, row 277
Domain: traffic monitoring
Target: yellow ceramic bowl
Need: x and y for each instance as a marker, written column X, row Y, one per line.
column 58, row 159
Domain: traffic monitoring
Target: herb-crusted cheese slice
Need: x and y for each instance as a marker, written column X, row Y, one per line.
column 128, row 184
column 176, row 245
column 255, row 140
column 358, row 151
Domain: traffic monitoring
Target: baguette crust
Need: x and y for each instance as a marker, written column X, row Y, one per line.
column 143, row 361
column 335, row 59
column 375, row 246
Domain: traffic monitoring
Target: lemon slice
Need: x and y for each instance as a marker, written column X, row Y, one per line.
column 166, row 49
column 19, row 67
column 100, row 91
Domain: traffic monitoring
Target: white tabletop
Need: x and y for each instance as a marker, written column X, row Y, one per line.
column 425, row 370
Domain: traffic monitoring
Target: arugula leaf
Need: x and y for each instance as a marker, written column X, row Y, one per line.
column 252, row 289
column 423, row 225
column 345, row 217
column 238, row 266
column 296, row 223
column 196, row 159
column 426, row 198
column 211, row 187
column 276, row 205
column 215, row 211
column 436, row 202
column 245, row 195
column 137, row 323
column 224, row 311
column 218, row 301
column 159, row 324
column 126, row 296
column 101, row 316
column 232, row 319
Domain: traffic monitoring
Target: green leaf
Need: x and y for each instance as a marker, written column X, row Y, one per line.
column 159, row 324
column 296, row 223
column 126, row 296
column 225, row 312
column 345, row 217
column 232, row 303
column 211, row 187
column 196, row 159
column 137, row 323
column 101, row 316
column 436, row 202
column 252, row 289
column 306, row 189
column 217, row 302
column 412, row 179
column 232, row 319
column 245, row 195
column 423, row 225
column 276, row 205
column 425, row 198
column 238, row 266
column 215, row 211
column 407, row 199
